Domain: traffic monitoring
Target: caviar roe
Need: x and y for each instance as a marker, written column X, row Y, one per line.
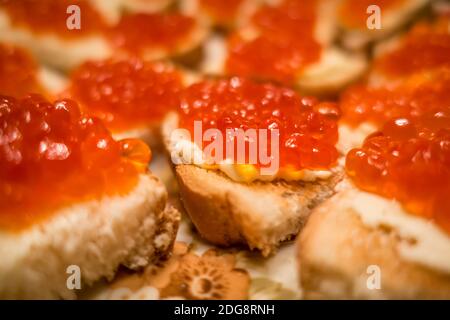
column 51, row 157
column 18, row 72
column 137, row 33
column 353, row 13
column 425, row 47
column 307, row 128
column 223, row 12
column 408, row 160
column 276, row 53
column 414, row 97
column 126, row 94
column 50, row 16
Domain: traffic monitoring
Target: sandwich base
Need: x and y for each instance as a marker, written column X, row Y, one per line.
column 260, row 215
column 336, row 250
column 98, row 236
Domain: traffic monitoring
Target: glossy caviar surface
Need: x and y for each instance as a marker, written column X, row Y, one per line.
column 18, row 72
column 137, row 33
column 408, row 160
column 414, row 97
column 51, row 157
column 275, row 53
column 50, row 16
column 425, row 47
column 353, row 13
column 126, row 94
column 307, row 128
column 221, row 11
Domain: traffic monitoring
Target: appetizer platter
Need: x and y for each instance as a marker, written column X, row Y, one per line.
column 207, row 149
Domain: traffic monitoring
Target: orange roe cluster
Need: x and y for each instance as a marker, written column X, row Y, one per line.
column 50, row 16
column 126, row 94
column 136, row 33
column 18, row 72
column 413, row 98
column 408, row 160
column 307, row 129
column 284, row 44
column 425, row 47
column 51, row 157
column 353, row 13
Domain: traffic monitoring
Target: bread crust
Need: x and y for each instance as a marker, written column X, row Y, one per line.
column 336, row 248
column 98, row 236
column 260, row 215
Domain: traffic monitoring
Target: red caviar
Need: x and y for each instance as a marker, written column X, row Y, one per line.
column 425, row 47
column 414, row 97
column 221, row 11
column 126, row 94
column 51, row 157
column 307, row 128
column 277, row 53
column 50, row 16
column 137, row 33
column 409, row 160
column 18, row 72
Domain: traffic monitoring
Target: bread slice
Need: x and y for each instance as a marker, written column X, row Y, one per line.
column 339, row 245
column 259, row 215
column 97, row 236
column 391, row 21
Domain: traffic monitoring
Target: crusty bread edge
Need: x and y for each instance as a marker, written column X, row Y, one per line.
column 133, row 230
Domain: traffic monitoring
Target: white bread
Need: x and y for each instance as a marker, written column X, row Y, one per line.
column 98, row 236
column 259, row 215
column 340, row 242
column 391, row 21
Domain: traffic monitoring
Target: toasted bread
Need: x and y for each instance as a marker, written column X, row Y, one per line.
column 259, row 214
column 97, row 236
column 337, row 250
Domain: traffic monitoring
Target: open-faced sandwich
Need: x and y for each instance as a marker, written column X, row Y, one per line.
column 72, row 196
column 290, row 42
column 387, row 234
column 251, row 159
column 131, row 96
column 66, row 33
